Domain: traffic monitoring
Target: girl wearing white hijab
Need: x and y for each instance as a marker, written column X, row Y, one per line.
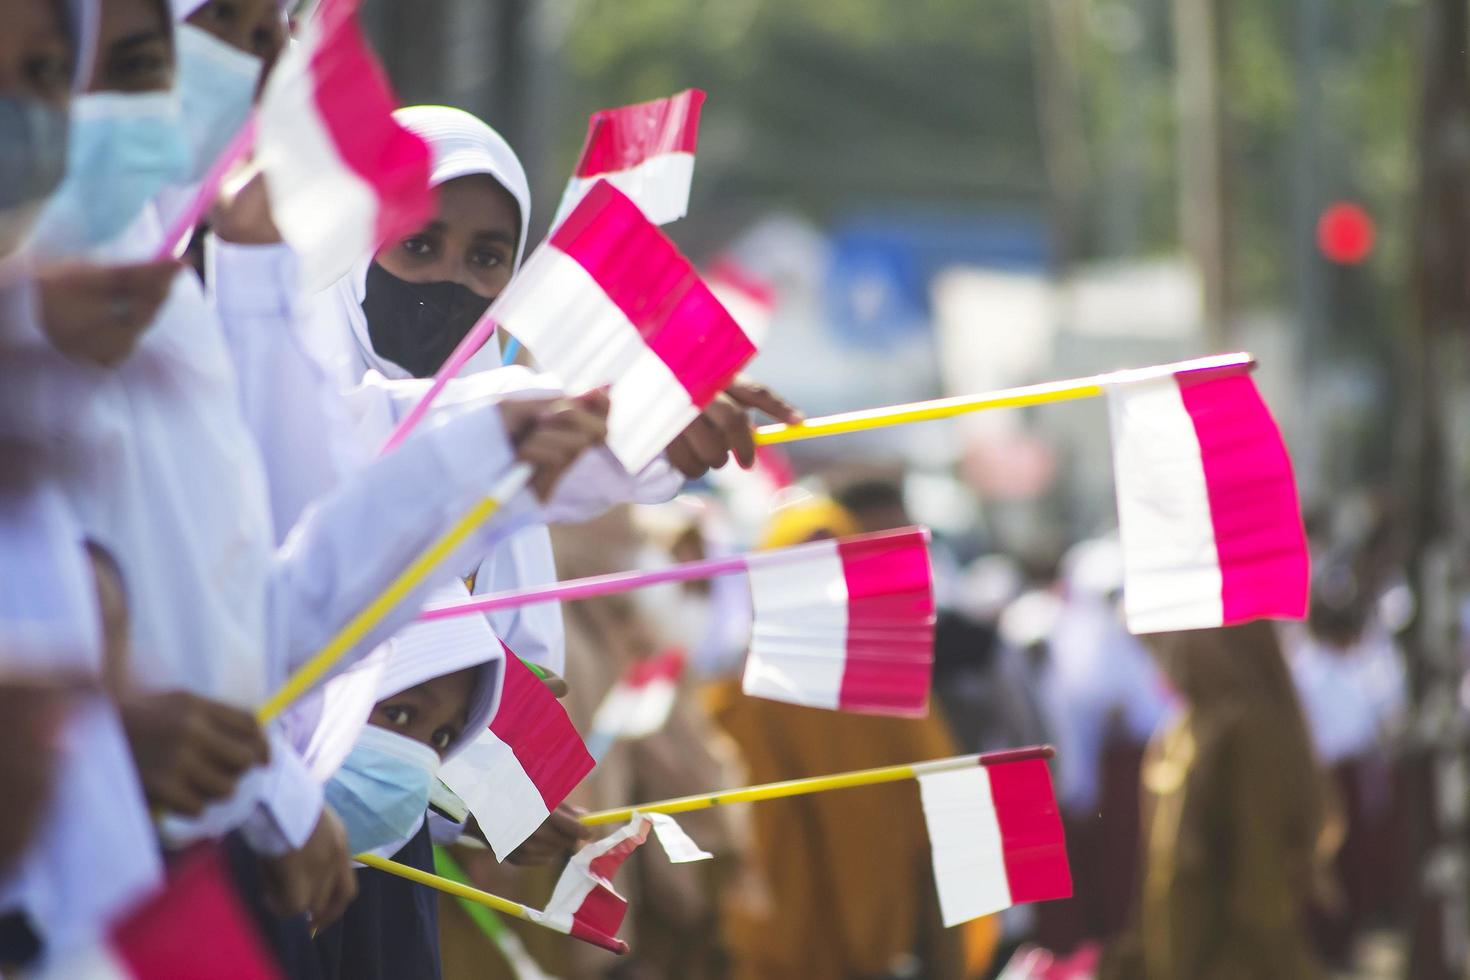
column 398, row 315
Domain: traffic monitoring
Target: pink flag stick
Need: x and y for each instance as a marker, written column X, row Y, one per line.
column 467, row 349
column 183, row 226
column 597, row 585
column 587, row 588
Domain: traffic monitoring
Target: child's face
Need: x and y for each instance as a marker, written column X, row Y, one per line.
column 434, row 712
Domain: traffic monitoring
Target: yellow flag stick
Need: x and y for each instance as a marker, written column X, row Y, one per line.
column 944, row 408
column 504, row 905
column 409, row 579
column 819, row 784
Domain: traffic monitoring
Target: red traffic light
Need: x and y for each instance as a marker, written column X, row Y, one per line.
column 1345, row 233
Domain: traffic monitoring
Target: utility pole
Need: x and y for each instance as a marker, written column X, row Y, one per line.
column 1198, row 43
column 1056, row 36
column 1434, row 491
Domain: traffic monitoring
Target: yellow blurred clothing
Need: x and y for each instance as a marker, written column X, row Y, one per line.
column 848, row 887
column 1234, row 815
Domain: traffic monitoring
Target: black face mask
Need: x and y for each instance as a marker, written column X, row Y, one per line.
column 417, row 325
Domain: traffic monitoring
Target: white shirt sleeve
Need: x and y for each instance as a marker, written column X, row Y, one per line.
column 291, row 803
column 352, row 543
column 289, row 402
column 535, row 632
column 595, row 483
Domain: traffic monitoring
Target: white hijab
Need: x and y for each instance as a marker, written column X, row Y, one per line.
column 461, row 144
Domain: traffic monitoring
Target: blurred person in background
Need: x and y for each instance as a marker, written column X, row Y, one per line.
column 1104, row 698
column 847, row 889
column 1236, row 826
column 1351, row 681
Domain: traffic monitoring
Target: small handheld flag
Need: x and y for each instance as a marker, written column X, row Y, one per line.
column 996, row 838
column 639, row 704
column 523, row 766
column 994, row 826
column 1207, row 504
column 195, row 928
column 584, row 901
column 644, row 150
column 586, row 932
column 342, row 175
column 845, row 624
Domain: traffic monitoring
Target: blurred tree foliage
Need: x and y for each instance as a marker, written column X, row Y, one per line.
column 826, row 105
column 830, row 105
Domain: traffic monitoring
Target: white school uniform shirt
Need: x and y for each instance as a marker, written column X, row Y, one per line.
column 82, row 869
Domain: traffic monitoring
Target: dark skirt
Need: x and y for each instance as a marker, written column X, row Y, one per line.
column 391, row 930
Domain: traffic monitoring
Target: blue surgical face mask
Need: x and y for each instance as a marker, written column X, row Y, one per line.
column 382, row 789
column 123, row 148
column 216, row 86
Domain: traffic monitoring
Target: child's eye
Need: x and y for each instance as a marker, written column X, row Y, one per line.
column 397, row 715
column 442, row 738
column 486, row 259
column 417, row 246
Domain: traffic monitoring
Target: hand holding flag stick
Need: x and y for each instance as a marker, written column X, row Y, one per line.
column 819, row 784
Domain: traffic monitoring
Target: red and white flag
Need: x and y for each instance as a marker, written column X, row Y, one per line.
column 608, row 300
column 995, row 835
column 584, row 903
column 1207, row 505
column 644, row 150
column 639, row 703
column 196, row 928
column 845, row 624
column 522, row 766
column 342, row 175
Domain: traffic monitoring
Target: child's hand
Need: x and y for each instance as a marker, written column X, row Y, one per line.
column 97, row 313
column 318, row 879
column 724, row 427
column 190, row 751
column 554, row 839
column 551, row 433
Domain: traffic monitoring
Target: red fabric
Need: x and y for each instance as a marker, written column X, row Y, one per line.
column 195, row 929
column 1262, row 547
column 666, row 666
column 657, row 289
column 356, row 103
column 532, row 722
column 890, row 623
column 620, row 139
column 1030, row 831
